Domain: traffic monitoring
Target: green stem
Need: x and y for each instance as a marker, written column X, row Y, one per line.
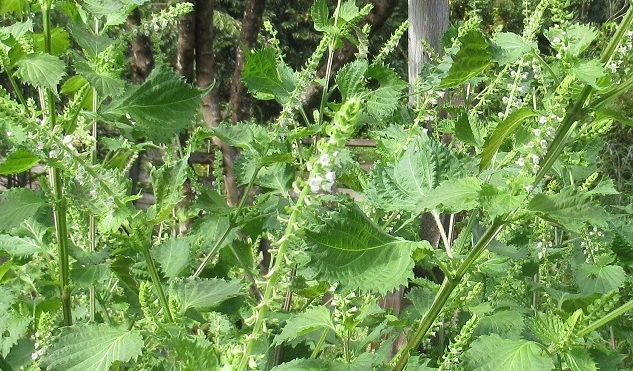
column 440, row 228
column 57, row 184
column 17, row 90
column 153, row 272
column 445, row 292
column 4, row 365
column 261, row 311
column 92, row 305
column 319, row 344
column 606, row 319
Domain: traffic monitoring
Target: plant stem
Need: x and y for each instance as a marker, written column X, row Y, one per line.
column 153, row 272
column 92, row 305
column 444, row 293
column 57, row 185
column 261, row 311
column 319, row 344
column 440, row 228
column 606, row 319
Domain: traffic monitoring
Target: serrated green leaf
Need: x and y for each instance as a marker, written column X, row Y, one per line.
column 203, row 293
column 173, row 256
column 14, row 6
column 511, row 47
column 468, row 131
column 593, row 278
column 92, row 44
column 89, row 275
column 588, row 72
column 277, row 177
column 17, row 29
column 18, row 246
column 18, row 161
column 13, row 327
column 493, row 353
column 167, row 182
column 367, row 259
column 503, row 130
column 383, row 100
column 498, row 201
column 163, row 106
column 472, row 58
column 313, row 319
column 92, row 347
column 453, row 195
column 406, row 184
column 578, row 359
column 107, row 84
column 506, row 323
column 210, row 229
column 321, row 16
column 350, row 79
column 41, row 70
column 18, row 204
column 569, row 208
column 266, row 76
column 575, row 38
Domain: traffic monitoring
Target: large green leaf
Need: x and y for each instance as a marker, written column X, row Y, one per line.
column 107, row 84
column 173, row 256
column 348, row 248
column 92, row 347
column 569, row 208
column 472, row 58
column 506, row 323
column 18, row 246
column 406, row 184
column 163, row 106
column 266, row 77
column 579, row 359
column 511, row 47
column 321, row 16
column 350, row 79
column 313, row 319
column 203, row 293
column 41, row 70
column 18, row 161
column 454, row 195
column 593, row 278
column 503, row 130
column 493, row 353
column 18, row 204
column 167, row 182
column 383, row 100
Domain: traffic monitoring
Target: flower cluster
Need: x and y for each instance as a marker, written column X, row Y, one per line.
column 323, row 165
column 535, row 148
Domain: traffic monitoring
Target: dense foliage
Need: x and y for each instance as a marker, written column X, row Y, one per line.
column 499, row 146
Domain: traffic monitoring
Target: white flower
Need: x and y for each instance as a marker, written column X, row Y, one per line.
column 543, row 143
column 9, row 133
column 535, row 159
column 542, row 119
column 556, row 40
column 330, row 176
column 325, row 160
column 521, row 161
column 315, row 183
column 537, row 132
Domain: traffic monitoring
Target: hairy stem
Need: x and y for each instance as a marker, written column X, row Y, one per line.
column 57, row 185
column 319, row 344
column 606, row 319
column 261, row 311
column 153, row 272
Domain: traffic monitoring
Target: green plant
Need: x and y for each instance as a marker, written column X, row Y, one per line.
column 532, row 266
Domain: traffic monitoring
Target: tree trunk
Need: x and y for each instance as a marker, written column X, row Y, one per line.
column 428, row 20
column 251, row 23
column 381, row 11
column 186, row 45
column 205, row 76
column 143, row 59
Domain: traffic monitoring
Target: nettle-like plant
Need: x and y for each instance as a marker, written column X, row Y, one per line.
column 499, row 149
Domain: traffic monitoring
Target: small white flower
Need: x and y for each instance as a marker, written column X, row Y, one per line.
column 542, row 119
column 9, row 133
column 558, row 56
column 315, row 183
column 543, row 143
column 330, row 176
column 327, row 187
column 67, row 139
column 556, row 40
column 535, row 159
column 325, row 160
column 521, row 161
column 537, row 132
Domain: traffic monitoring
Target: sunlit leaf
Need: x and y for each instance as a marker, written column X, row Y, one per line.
column 313, row 319
column 493, row 353
column 92, row 347
column 18, row 204
column 173, row 256
column 503, row 130
column 41, row 70
column 472, row 58
column 203, row 293
column 18, row 161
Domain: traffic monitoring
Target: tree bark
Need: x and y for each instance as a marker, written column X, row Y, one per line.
column 428, row 20
column 143, row 59
column 251, row 23
column 204, row 59
column 186, row 45
column 381, row 11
